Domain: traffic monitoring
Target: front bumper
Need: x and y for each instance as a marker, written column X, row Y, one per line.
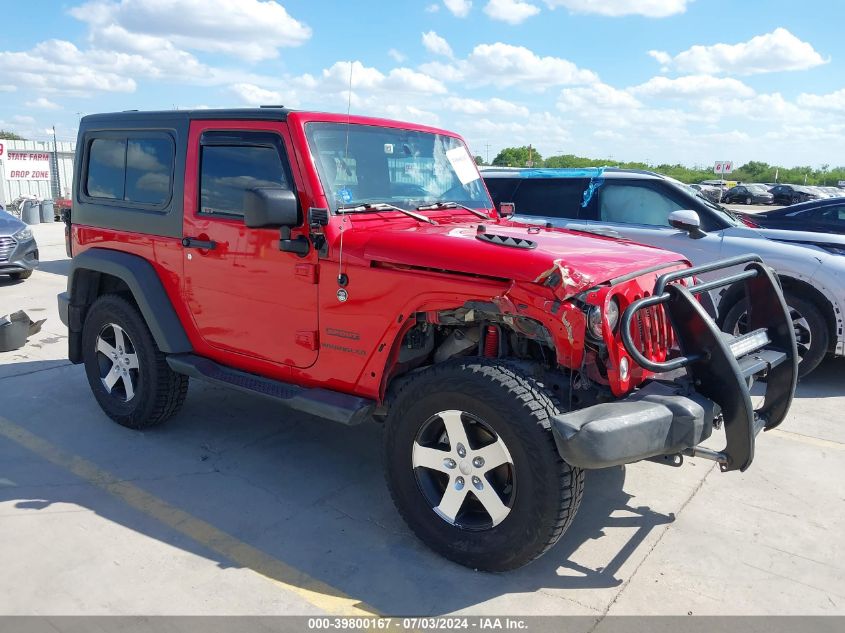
column 671, row 418
column 659, row 419
column 23, row 257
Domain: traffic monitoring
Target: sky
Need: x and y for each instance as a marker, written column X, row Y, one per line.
column 661, row 81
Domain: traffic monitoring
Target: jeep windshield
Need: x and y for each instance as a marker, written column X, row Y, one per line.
column 364, row 165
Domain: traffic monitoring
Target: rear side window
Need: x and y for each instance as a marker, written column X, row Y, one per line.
column 131, row 169
column 548, row 197
column 501, row 189
column 227, row 172
column 106, row 168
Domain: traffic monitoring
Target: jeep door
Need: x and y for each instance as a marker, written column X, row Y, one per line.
column 246, row 297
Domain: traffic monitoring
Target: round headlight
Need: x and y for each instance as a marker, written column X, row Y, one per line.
column 612, row 313
column 594, row 322
column 594, row 318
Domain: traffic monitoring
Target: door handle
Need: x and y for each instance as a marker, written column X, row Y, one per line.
column 192, row 242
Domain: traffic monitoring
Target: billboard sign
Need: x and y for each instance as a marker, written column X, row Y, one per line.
column 25, row 164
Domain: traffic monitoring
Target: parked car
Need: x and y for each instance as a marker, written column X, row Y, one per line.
column 653, row 209
column 748, row 194
column 18, row 250
column 322, row 261
column 833, row 192
column 792, row 194
column 818, row 216
column 714, row 194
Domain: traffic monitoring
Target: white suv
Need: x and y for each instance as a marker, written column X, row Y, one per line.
column 653, row 209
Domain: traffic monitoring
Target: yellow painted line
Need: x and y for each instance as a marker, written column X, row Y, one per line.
column 807, row 439
column 315, row 592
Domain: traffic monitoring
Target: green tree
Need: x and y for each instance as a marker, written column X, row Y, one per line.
column 479, row 160
column 10, row 136
column 518, row 157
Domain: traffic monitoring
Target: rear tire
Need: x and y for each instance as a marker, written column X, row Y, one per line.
column 811, row 330
column 498, row 411
column 128, row 374
column 748, row 200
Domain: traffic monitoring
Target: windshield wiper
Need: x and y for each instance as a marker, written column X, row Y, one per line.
column 452, row 205
column 383, row 206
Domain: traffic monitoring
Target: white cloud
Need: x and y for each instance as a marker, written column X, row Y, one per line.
column 248, row 29
column 366, row 79
column 616, row 8
column 588, row 99
column 834, row 101
column 255, row 95
column 489, row 106
column 506, row 65
column 7, row 88
column 460, row 8
column 510, row 11
column 436, row 45
column 25, row 119
column 693, row 86
column 397, row 56
column 432, row 8
column 43, row 103
column 59, row 67
column 776, row 51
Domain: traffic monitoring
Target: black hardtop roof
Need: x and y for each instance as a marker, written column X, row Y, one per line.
column 264, row 113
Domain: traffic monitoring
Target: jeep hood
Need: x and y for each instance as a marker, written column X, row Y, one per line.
column 581, row 260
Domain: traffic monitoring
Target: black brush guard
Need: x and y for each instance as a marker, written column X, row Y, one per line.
column 669, row 418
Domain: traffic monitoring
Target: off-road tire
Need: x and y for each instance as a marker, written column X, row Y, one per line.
column 24, row 274
column 815, row 319
column 547, row 490
column 160, row 391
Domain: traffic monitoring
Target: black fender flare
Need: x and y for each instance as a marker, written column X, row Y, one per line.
column 143, row 282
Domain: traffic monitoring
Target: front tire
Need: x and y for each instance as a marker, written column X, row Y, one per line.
column 24, row 274
column 811, row 331
column 128, row 374
column 472, row 466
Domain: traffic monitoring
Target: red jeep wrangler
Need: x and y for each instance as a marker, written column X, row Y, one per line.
column 355, row 269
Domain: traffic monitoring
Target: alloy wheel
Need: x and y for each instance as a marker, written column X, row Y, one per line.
column 464, row 470
column 118, row 362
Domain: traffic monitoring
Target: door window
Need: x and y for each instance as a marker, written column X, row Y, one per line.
column 636, row 204
column 228, row 171
column 833, row 214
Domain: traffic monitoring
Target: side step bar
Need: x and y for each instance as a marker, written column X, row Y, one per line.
column 323, row 403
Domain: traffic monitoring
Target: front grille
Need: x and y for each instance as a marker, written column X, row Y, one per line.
column 7, row 245
column 653, row 333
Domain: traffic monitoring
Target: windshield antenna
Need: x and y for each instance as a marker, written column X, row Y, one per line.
column 342, row 279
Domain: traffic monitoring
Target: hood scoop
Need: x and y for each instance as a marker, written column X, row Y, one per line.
column 506, row 240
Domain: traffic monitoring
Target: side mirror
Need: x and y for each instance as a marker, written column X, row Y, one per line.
column 271, row 207
column 276, row 207
column 506, row 209
column 687, row 220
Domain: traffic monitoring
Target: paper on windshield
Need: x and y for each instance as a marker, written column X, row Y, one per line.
column 462, row 163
